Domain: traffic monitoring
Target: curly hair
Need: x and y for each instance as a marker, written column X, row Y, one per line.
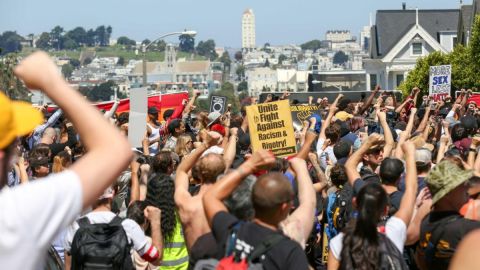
column 160, row 191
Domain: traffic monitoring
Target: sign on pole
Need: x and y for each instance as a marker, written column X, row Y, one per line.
column 270, row 127
column 440, row 81
column 137, row 120
column 218, row 104
column 302, row 113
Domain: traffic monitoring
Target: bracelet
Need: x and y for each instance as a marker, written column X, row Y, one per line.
column 472, row 150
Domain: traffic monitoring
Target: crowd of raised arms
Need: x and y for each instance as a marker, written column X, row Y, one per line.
column 376, row 183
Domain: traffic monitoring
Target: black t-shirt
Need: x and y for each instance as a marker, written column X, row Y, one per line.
column 204, row 248
column 394, row 200
column 285, row 255
column 440, row 234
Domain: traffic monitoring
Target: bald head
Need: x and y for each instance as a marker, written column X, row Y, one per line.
column 209, row 167
column 49, row 132
column 269, row 192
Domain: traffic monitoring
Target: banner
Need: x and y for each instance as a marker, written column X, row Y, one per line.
column 440, row 81
column 162, row 102
column 218, row 104
column 302, row 113
column 137, row 120
column 270, row 127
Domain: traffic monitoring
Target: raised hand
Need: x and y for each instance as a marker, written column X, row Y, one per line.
column 152, row 213
column 28, row 69
column 408, row 148
column 374, row 139
column 261, row 160
column 208, row 139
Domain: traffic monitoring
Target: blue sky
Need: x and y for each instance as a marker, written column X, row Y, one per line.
column 277, row 21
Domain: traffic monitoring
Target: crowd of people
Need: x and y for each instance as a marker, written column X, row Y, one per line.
column 376, row 183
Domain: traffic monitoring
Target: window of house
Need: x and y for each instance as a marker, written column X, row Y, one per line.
column 417, row 48
column 399, row 79
column 373, row 81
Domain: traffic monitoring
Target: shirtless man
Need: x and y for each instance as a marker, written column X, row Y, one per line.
column 190, row 208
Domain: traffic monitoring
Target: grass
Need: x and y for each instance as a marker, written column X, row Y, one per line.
column 114, row 51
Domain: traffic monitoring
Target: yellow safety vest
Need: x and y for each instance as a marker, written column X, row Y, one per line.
column 175, row 254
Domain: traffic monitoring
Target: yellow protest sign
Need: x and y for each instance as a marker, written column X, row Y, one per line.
column 271, row 128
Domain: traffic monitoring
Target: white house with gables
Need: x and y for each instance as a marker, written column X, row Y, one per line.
column 400, row 37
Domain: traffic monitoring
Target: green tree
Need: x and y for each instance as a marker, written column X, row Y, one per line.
column 78, row 34
column 228, row 91
column 281, row 58
column 243, row 86
column 240, row 72
column 56, row 37
column 43, row 42
column 101, row 92
column 67, row 70
column 69, row 44
column 207, row 49
column 102, row 36
column 238, row 56
column 108, row 31
column 187, row 43
column 91, row 38
column 340, row 58
column 9, row 83
column 311, row 45
column 75, row 63
column 123, row 40
column 87, row 61
column 225, row 59
column 10, row 42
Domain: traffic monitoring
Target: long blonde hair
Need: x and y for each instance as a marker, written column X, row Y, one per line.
column 182, row 148
column 61, row 161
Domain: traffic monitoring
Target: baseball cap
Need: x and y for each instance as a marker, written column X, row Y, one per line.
column 218, row 128
column 18, row 118
column 423, row 155
column 444, row 178
column 107, row 194
column 212, row 117
column 469, row 122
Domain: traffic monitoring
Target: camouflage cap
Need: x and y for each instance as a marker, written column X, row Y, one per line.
column 444, row 178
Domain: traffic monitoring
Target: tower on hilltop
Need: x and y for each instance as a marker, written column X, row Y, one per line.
column 248, row 30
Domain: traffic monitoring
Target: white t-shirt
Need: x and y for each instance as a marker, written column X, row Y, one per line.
column 322, row 155
column 134, row 233
column 32, row 215
column 395, row 229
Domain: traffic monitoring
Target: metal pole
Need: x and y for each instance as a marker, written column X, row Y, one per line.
column 144, row 68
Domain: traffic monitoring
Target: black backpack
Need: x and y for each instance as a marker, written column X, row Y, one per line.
column 390, row 257
column 101, row 246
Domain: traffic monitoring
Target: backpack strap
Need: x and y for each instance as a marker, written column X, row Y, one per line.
column 232, row 238
column 82, row 222
column 116, row 221
column 265, row 246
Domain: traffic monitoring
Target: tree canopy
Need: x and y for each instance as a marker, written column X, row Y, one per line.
column 187, row 43
column 10, row 42
column 311, row 45
column 207, row 49
column 340, row 58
